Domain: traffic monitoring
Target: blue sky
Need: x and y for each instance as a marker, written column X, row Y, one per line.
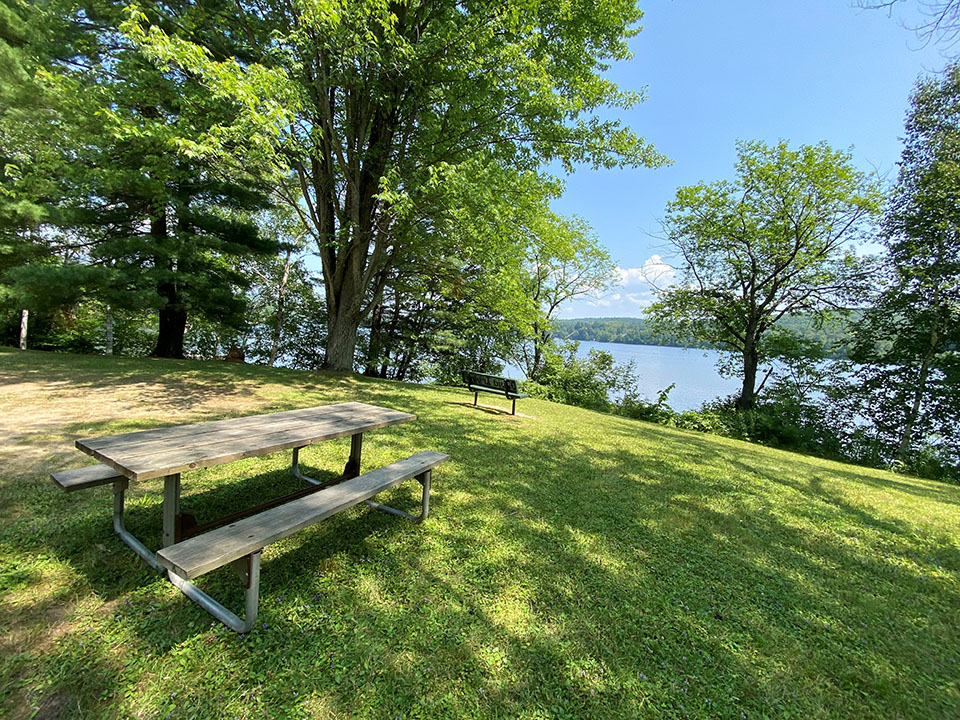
column 716, row 72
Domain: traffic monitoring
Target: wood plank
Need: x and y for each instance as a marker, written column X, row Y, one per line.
column 351, row 419
column 202, row 553
column 196, row 458
column 258, row 435
column 85, row 477
column 197, row 429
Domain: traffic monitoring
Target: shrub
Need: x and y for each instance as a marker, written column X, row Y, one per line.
column 585, row 382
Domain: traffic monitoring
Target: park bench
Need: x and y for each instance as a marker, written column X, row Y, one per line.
column 481, row 382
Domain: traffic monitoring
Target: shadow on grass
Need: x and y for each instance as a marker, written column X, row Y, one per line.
column 488, row 409
column 639, row 572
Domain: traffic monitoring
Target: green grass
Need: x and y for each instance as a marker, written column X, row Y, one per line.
column 575, row 565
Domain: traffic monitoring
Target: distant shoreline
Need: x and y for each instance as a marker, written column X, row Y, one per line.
column 833, row 336
column 640, row 343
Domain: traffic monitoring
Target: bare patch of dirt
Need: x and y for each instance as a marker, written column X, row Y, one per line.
column 36, row 415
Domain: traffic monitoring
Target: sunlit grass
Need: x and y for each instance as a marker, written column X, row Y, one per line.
column 574, row 565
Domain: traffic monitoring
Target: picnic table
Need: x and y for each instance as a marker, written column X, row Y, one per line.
column 190, row 548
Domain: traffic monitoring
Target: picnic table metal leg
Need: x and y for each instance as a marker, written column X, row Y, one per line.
column 296, row 468
column 352, row 468
column 251, row 577
column 513, row 411
column 119, row 488
column 424, row 480
column 171, row 509
column 171, row 503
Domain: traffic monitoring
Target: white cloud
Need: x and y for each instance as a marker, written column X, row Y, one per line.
column 657, row 273
column 633, row 293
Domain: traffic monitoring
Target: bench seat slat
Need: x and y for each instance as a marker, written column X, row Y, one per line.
column 202, row 553
column 85, row 477
column 499, row 391
column 510, row 395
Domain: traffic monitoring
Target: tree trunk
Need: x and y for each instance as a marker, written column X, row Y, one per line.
column 344, row 305
column 24, row 321
column 108, row 332
column 173, row 318
column 910, row 422
column 748, row 392
column 538, row 345
column 173, row 325
column 341, row 340
column 275, row 341
column 376, row 323
column 281, row 300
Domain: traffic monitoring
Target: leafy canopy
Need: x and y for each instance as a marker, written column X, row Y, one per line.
column 774, row 241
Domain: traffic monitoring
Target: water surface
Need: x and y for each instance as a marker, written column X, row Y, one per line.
column 693, row 371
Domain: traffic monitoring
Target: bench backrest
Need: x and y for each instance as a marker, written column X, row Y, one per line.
column 494, row 382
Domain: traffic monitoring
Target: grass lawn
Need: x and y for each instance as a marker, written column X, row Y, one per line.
column 575, row 565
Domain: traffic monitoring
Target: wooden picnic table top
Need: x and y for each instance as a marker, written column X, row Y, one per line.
column 151, row 454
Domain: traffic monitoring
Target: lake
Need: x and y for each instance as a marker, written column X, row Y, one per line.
column 693, row 371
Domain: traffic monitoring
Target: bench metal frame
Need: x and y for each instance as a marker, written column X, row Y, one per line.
column 477, row 390
column 247, row 567
column 424, row 480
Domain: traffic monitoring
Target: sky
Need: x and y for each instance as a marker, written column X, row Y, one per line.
column 716, row 72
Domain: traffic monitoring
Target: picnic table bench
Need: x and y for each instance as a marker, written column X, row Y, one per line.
column 482, row 382
column 190, row 549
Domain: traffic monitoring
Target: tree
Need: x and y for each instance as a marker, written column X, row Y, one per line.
column 565, row 261
column 285, row 315
column 457, row 303
column 373, row 107
column 939, row 23
column 147, row 210
column 908, row 378
column 772, row 242
column 30, row 156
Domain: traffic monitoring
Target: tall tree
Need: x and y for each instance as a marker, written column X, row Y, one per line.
column 458, row 302
column 908, row 348
column 30, row 155
column 381, row 102
column 774, row 241
column 147, row 204
column 565, row 262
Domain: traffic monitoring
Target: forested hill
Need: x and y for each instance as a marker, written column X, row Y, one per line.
column 631, row 331
column 635, row 331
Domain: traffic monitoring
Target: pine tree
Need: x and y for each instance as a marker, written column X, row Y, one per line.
column 909, row 381
column 153, row 208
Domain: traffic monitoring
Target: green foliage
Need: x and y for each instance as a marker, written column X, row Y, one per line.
column 629, row 331
column 584, row 382
column 65, row 329
column 565, row 261
column 831, row 334
column 784, row 419
column 771, row 243
column 638, row 408
column 907, row 377
column 140, row 209
column 80, row 328
column 387, row 114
